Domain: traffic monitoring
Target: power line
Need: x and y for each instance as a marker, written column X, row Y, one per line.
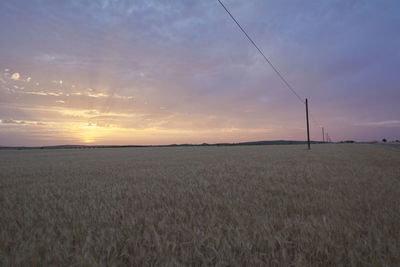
column 259, row 50
column 269, row 62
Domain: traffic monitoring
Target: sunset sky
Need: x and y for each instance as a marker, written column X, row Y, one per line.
column 162, row 72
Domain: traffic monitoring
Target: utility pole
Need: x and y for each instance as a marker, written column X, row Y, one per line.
column 323, row 135
column 308, row 127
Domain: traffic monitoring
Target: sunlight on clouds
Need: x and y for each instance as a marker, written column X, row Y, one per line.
column 80, row 114
column 15, row 76
column 87, row 126
column 60, row 82
column 89, row 113
column 122, row 97
column 97, row 95
column 44, row 93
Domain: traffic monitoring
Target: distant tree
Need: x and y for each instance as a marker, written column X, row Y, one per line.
column 384, row 140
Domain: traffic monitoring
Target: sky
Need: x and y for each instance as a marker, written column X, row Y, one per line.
column 110, row 72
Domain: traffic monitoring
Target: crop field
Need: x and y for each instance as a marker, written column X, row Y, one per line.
column 338, row 204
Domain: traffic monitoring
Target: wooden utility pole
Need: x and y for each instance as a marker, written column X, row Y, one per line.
column 308, row 127
column 323, row 135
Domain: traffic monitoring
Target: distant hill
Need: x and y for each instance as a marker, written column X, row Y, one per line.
column 273, row 142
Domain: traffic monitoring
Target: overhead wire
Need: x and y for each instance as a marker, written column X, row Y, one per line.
column 268, row 61
column 263, row 55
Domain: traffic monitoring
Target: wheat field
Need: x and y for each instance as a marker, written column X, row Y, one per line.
column 200, row 206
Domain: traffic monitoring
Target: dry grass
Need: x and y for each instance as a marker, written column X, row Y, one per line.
column 236, row 206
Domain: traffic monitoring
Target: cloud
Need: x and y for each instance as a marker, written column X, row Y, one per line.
column 94, row 95
column 122, row 97
column 389, row 123
column 21, row 122
column 15, row 76
column 47, row 57
column 11, row 121
column 43, row 93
